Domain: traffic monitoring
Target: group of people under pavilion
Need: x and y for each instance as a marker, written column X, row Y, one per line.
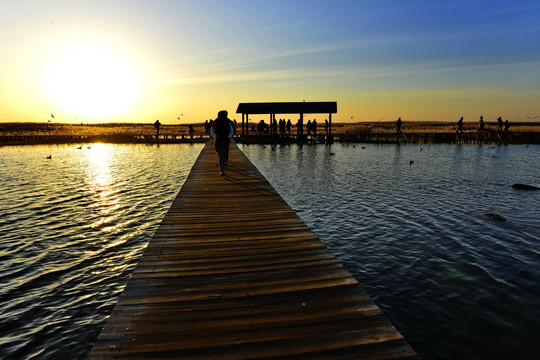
column 284, row 127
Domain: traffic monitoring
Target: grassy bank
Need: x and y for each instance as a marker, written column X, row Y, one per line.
column 21, row 133
column 130, row 129
column 111, row 129
column 421, row 127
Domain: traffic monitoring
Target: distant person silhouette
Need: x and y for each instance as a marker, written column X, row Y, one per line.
column 191, row 131
column 482, row 124
column 460, row 125
column 398, row 125
column 261, row 127
column 506, row 126
column 499, row 124
column 222, row 132
column 289, row 125
column 157, row 124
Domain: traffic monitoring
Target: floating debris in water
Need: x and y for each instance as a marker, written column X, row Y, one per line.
column 525, row 187
column 496, row 217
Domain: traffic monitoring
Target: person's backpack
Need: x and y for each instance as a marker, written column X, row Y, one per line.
column 222, row 127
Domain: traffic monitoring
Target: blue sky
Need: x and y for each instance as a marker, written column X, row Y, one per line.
column 421, row 60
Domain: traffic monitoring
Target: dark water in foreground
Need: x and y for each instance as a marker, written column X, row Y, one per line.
column 456, row 283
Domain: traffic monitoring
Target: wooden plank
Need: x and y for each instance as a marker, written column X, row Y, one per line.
column 233, row 273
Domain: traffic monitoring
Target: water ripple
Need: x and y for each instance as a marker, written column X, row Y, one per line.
column 457, row 283
column 72, row 230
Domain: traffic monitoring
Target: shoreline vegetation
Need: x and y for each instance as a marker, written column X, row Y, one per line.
column 377, row 132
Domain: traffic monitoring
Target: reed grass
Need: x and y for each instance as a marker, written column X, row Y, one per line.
column 420, row 127
column 131, row 129
column 109, row 129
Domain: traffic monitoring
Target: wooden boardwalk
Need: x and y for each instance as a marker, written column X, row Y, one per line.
column 233, row 273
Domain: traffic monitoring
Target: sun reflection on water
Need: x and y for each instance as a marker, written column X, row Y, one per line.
column 103, row 184
column 98, row 170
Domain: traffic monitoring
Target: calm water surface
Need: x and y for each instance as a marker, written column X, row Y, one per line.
column 455, row 282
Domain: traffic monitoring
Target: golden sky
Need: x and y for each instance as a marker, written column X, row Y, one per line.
column 182, row 61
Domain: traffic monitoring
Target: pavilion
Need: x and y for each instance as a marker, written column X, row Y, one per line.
column 273, row 108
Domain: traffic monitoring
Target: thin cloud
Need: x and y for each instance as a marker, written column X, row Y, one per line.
column 224, row 73
column 286, row 26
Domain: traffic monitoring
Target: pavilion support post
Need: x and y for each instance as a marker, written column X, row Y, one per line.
column 301, row 126
column 243, row 124
column 330, row 124
column 330, row 136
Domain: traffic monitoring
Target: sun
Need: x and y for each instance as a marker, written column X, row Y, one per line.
column 92, row 81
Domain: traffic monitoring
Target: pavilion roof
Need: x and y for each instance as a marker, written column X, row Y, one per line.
column 329, row 107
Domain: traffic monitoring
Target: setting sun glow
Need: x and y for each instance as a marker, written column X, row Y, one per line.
column 91, row 81
column 139, row 61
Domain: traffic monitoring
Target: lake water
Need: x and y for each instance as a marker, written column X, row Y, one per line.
column 72, row 229
column 457, row 283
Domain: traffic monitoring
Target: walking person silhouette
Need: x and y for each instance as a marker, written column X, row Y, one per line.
column 157, row 124
column 460, row 125
column 222, row 131
column 398, row 126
